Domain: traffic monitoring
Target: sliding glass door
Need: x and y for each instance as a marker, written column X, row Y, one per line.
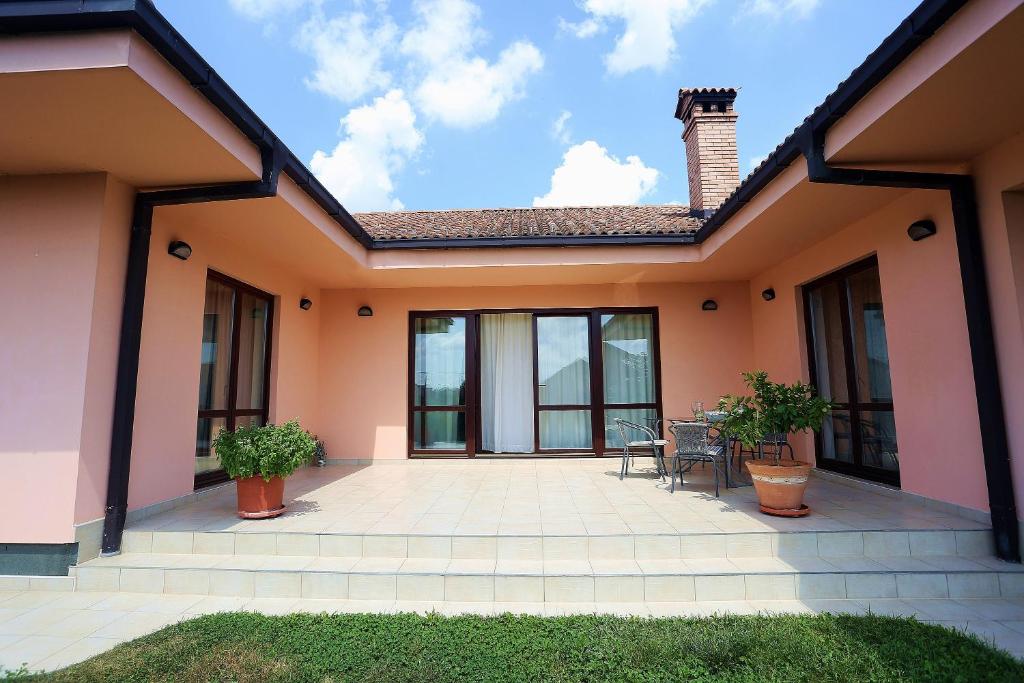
column 439, row 397
column 234, row 366
column 628, row 357
column 563, row 373
column 850, row 367
column 530, row 381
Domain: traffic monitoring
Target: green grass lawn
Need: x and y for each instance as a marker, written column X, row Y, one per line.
column 408, row 647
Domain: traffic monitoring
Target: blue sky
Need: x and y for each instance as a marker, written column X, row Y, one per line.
column 435, row 104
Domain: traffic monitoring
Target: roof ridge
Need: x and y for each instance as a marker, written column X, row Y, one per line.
column 399, row 212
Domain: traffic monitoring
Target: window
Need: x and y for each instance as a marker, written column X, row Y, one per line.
column 850, row 367
column 234, row 367
column 530, row 381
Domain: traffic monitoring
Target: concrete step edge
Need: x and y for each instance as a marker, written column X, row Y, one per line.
column 917, row 543
column 555, row 588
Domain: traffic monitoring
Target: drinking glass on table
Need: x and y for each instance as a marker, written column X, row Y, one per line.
column 698, row 411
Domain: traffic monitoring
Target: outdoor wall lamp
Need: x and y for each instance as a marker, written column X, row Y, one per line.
column 305, row 304
column 179, row 249
column 921, row 229
column 768, row 294
column 365, row 312
column 709, row 305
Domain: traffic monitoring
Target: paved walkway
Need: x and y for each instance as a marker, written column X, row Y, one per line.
column 49, row 630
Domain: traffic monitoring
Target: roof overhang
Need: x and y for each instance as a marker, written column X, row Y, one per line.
column 139, row 103
column 104, row 101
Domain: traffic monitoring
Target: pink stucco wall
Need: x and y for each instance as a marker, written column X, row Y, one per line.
column 1000, row 186
column 61, row 274
column 932, row 380
column 364, row 361
column 165, row 414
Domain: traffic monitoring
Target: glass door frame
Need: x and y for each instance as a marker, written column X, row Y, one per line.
column 596, row 388
column 232, row 412
column 472, row 391
column 853, row 406
column 473, row 400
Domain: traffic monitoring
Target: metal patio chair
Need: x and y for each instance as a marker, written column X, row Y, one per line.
column 693, row 446
column 631, row 445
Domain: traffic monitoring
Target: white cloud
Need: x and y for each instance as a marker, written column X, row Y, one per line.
column 589, row 176
column 779, row 9
column 588, row 28
column 756, row 161
column 648, row 40
column 379, row 139
column 264, row 9
column 349, row 54
column 457, row 87
column 447, row 30
column 560, row 128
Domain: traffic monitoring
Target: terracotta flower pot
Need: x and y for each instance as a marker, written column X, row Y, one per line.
column 780, row 487
column 258, row 499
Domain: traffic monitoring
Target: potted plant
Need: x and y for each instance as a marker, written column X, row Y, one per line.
column 258, row 458
column 774, row 411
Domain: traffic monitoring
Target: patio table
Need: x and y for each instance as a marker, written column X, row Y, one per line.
column 733, row 479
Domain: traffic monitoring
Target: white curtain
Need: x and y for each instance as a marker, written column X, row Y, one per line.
column 627, row 341
column 506, row 382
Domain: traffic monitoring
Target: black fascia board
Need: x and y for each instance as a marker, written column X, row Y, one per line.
column 536, row 241
column 37, row 16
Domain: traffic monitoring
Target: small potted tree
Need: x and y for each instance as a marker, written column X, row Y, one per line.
column 258, row 459
column 774, row 411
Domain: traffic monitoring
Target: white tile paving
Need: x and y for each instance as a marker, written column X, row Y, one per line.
column 522, row 497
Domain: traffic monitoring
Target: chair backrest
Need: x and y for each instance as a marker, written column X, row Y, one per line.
column 645, row 433
column 691, row 437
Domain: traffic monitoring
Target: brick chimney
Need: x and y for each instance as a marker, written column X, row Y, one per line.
column 709, row 132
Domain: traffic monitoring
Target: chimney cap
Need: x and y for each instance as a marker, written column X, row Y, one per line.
column 691, row 96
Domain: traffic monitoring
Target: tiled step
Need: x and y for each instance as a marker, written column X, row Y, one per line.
column 20, row 582
column 468, row 580
column 889, row 543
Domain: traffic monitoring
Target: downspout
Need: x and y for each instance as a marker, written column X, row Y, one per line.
column 977, row 306
column 273, row 156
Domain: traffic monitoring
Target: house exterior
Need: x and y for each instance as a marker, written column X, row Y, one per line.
column 170, row 268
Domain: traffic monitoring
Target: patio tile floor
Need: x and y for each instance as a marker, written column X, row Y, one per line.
column 570, row 497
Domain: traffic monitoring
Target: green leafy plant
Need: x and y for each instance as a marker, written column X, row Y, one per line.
column 267, row 451
column 773, row 409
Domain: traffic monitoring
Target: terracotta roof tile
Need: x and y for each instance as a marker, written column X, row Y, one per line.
column 665, row 219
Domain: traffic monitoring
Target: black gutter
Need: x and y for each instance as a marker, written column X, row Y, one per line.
column 920, row 25
column 808, row 141
column 126, row 383
column 20, row 17
column 605, row 240
column 977, row 306
column 40, row 16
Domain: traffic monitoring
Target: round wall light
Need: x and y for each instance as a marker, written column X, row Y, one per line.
column 179, row 249
column 768, row 294
column 305, row 304
column 365, row 312
column 709, row 305
column 921, row 229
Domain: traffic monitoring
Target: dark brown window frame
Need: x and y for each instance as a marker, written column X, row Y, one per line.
column 472, row 399
column 232, row 412
column 853, row 405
